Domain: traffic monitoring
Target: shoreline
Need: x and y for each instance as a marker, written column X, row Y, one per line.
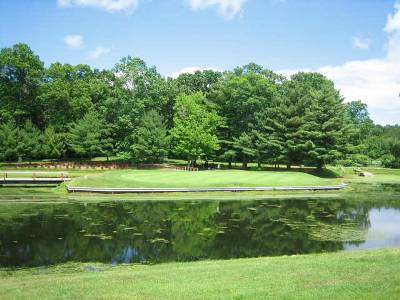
column 102, row 190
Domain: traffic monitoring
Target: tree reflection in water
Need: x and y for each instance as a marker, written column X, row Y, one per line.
column 154, row 232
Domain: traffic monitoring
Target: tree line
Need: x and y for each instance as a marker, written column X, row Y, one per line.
column 249, row 114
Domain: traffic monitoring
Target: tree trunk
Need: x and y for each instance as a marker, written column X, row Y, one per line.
column 288, row 166
column 230, row 164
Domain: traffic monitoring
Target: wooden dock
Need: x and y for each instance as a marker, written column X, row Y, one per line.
column 72, row 189
column 35, row 177
column 42, row 180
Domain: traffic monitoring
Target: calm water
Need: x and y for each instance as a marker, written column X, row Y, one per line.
column 33, row 234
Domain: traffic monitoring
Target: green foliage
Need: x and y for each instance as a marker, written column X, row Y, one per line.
column 249, row 114
column 240, row 95
column 199, row 81
column 21, row 73
column 69, row 93
column 53, row 143
column 29, row 146
column 90, row 136
column 327, row 125
column 244, row 147
column 195, row 125
column 392, row 159
column 20, row 143
column 136, row 88
column 150, row 143
column 307, row 123
column 355, row 160
column 8, row 141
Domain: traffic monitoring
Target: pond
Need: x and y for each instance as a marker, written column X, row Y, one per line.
column 110, row 231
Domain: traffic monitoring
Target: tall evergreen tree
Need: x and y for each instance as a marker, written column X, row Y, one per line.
column 53, row 143
column 90, row 136
column 150, row 143
column 29, row 146
column 8, row 141
column 324, row 127
column 245, row 148
column 241, row 94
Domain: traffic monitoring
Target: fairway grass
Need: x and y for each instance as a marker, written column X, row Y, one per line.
column 370, row 274
column 380, row 175
column 165, row 178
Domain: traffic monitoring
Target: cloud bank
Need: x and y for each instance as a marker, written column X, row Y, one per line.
column 98, row 52
column 73, row 41
column 374, row 81
column 361, row 43
column 127, row 6
column 190, row 70
column 226, row 8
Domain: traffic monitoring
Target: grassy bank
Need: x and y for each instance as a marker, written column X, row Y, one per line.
column 351, row 275
column 215, row 178
column 220, row 178
column 380, row 175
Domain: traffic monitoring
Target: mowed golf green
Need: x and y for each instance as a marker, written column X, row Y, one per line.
column 217, row 178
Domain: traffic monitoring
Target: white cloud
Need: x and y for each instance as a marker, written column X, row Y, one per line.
column 393, row 20
column 226, row 8
column 190, row 70
column 98, row 52
column 361, row 43
column 374, row 81
column 64, row 3
column 109, row 5
column 73, row 41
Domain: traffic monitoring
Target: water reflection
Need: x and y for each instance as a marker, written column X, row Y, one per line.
column 384, row 230
column 153, row 232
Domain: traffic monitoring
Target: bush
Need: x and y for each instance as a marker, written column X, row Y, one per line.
column 389, row 161
column 355, row 160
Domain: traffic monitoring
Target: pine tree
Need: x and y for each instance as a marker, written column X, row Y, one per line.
column 318, row 125
column 245, row 148
column 28, row 142
column 53, row 143
column 8, row 141
column 90, row 136
column 151, row 142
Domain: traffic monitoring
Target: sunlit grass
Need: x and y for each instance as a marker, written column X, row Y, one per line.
column 350, row 275
column 220, row 178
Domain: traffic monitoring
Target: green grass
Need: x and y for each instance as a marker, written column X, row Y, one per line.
column 345, row 275
column 215, row 178
column 172, row 178
column 381, row 175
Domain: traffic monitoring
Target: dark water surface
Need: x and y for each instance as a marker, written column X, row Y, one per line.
column 33, row 234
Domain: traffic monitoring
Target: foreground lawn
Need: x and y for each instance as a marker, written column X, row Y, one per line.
column 216, row 178
column 351, row 275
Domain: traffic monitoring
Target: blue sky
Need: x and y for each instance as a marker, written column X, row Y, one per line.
column 355, row 43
